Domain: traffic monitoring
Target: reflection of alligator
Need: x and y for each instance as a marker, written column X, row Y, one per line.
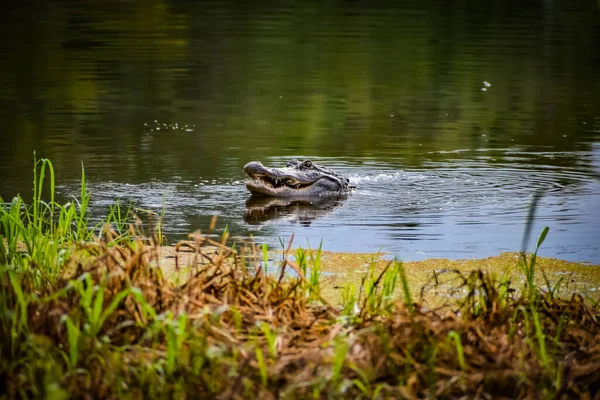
column 301, row 209
column 297, row 178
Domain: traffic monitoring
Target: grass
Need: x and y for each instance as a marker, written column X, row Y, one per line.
column 87, row 310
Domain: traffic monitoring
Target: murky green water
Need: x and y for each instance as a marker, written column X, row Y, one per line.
column 448, row 115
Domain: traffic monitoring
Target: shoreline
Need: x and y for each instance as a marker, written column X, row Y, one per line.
column 339, row 269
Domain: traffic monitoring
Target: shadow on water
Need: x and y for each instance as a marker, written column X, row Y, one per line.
column 301, row 209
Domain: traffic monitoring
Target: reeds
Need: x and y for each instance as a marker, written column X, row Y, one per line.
column 103, row 321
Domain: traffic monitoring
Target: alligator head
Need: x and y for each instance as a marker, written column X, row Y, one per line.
column 297, row 178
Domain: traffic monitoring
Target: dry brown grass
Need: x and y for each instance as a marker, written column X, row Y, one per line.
column 226, row 328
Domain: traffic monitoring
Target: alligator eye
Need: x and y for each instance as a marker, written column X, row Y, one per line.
column 308, row 164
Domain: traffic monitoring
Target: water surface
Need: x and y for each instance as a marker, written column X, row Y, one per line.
column 448, row 116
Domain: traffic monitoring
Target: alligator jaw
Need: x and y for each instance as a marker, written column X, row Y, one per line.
column 275, row 186
column 295, row 179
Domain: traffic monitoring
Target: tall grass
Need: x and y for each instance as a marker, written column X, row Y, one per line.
column 528, row 266
column 44, row 232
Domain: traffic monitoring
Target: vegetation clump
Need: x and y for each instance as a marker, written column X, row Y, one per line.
column 103, row 321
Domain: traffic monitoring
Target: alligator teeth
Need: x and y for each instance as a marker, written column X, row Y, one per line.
column 277, row 182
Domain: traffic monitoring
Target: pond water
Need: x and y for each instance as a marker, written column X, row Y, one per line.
column 449, row 117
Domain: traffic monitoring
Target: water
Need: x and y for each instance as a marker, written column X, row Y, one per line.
column 448, row 116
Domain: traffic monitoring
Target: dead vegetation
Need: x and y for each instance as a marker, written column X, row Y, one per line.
column 110, row 325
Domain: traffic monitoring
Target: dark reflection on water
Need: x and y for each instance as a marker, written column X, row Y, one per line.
column 446, row 114
column 301, row 209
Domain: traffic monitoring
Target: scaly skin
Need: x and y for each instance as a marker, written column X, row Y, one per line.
column 297, row 178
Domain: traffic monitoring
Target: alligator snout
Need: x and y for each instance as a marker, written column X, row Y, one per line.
column 297, row 178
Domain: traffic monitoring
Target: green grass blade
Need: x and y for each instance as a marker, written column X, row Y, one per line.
column 22, row 303
column 262, row 366
column 112, row 307
column 73, row 334
column 542, row 237
column 340, row 350
column 453, row 335
column 540, row 336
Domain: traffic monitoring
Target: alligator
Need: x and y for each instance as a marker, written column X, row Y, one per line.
column 297, row 178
